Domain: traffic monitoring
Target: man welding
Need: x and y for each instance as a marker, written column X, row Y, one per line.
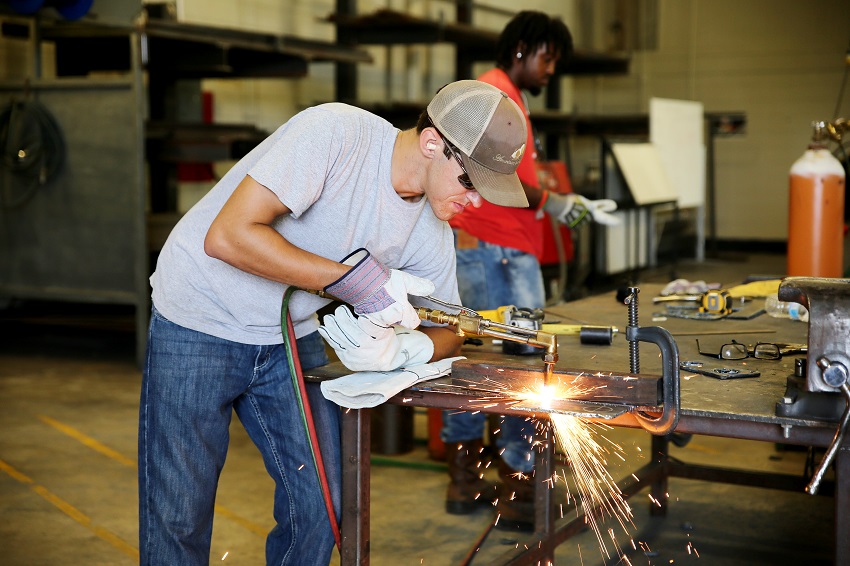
column 333, row 182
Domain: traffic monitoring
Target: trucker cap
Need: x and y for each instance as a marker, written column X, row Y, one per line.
column 489, row 130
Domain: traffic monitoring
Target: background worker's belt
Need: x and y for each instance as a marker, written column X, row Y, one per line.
column 465, row 240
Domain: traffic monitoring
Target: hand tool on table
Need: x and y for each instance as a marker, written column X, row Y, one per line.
column 588, row 334
column 820, row 385
column 714, row 301
column 717, row 371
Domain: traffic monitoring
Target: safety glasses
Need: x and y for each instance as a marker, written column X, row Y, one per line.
column 451, row 151
column 737, row 351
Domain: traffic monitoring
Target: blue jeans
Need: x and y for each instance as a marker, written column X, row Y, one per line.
column 488, row 277
column 191, row 384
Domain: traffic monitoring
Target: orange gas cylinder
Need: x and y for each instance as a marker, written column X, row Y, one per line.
column 816, row 215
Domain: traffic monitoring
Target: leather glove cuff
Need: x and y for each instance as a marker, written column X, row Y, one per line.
column 362, row 286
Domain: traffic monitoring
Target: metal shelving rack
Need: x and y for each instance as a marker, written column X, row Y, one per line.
column 89, row 235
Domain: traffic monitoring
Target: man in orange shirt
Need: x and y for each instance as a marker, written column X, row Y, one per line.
column 498, row 250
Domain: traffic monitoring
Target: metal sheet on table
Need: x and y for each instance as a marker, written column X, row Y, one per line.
column 574, row 409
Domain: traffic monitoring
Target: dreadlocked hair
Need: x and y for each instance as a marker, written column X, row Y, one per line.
column 534, row 30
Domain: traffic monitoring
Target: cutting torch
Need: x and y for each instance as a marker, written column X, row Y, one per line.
column 467, row 322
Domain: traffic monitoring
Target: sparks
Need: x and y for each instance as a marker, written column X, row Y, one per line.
column 692, row 549
column 543, row 395
column 547, row 394
column 596, row 490
column 584, row 446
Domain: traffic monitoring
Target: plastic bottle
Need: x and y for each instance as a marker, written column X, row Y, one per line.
column 780, row 309
column 816, row 212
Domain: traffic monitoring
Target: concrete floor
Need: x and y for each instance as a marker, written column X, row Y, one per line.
column 68, row 472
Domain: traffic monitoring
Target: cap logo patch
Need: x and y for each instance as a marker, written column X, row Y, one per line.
column 515, row 156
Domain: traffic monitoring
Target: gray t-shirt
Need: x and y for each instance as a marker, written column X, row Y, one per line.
column 330, row 165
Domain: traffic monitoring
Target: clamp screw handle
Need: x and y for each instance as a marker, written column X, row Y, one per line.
column 834, row 446
column 834, row 373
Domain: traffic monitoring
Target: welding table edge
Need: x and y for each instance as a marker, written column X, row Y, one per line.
column 757, row 424
column 356, row 440
column 786, row 430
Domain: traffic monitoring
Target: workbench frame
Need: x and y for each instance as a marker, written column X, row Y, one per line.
column 549, row 532
column 737, row 409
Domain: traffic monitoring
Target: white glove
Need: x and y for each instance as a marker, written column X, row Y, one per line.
column 378, row 292
column 370, row 388
column 362, row 345
column 572, row 209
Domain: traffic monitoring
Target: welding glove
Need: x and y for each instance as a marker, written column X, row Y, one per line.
column 377, row 292
column 573, row 210
column 371, row 388
column 363, row 345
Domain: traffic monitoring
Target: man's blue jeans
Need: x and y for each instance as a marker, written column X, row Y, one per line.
column 191, row 384
column 491, row 276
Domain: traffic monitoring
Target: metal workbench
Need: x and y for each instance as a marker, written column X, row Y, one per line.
column 734, row 408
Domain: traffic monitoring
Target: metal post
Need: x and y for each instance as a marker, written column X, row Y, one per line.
column 346, row 73
column 356, row 495
column 544, row 489
column 660, row 454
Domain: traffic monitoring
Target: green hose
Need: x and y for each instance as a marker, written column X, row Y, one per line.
column 288, row 333
column 284, row 314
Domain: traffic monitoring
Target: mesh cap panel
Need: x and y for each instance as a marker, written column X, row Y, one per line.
column 463, row 117
column 490, row 131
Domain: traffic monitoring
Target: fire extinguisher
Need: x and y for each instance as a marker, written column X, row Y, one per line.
column 816, row 211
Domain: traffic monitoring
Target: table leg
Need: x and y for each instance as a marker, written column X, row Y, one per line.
column 544, row 488
column 356, row 494
column 660, row 453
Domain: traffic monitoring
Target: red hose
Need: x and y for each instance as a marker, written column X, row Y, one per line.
column 311, row 433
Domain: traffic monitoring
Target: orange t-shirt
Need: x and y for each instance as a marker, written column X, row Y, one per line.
column 517, row 228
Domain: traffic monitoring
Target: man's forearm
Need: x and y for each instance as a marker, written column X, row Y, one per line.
column 534, row 196
column 447, row 344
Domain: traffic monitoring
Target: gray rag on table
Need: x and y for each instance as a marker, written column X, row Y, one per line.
column 371, row 388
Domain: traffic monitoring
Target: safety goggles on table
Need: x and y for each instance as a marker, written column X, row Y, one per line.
column 735, row 350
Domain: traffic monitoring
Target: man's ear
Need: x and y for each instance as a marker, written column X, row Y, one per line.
column 521, row 50
column 428, row 141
